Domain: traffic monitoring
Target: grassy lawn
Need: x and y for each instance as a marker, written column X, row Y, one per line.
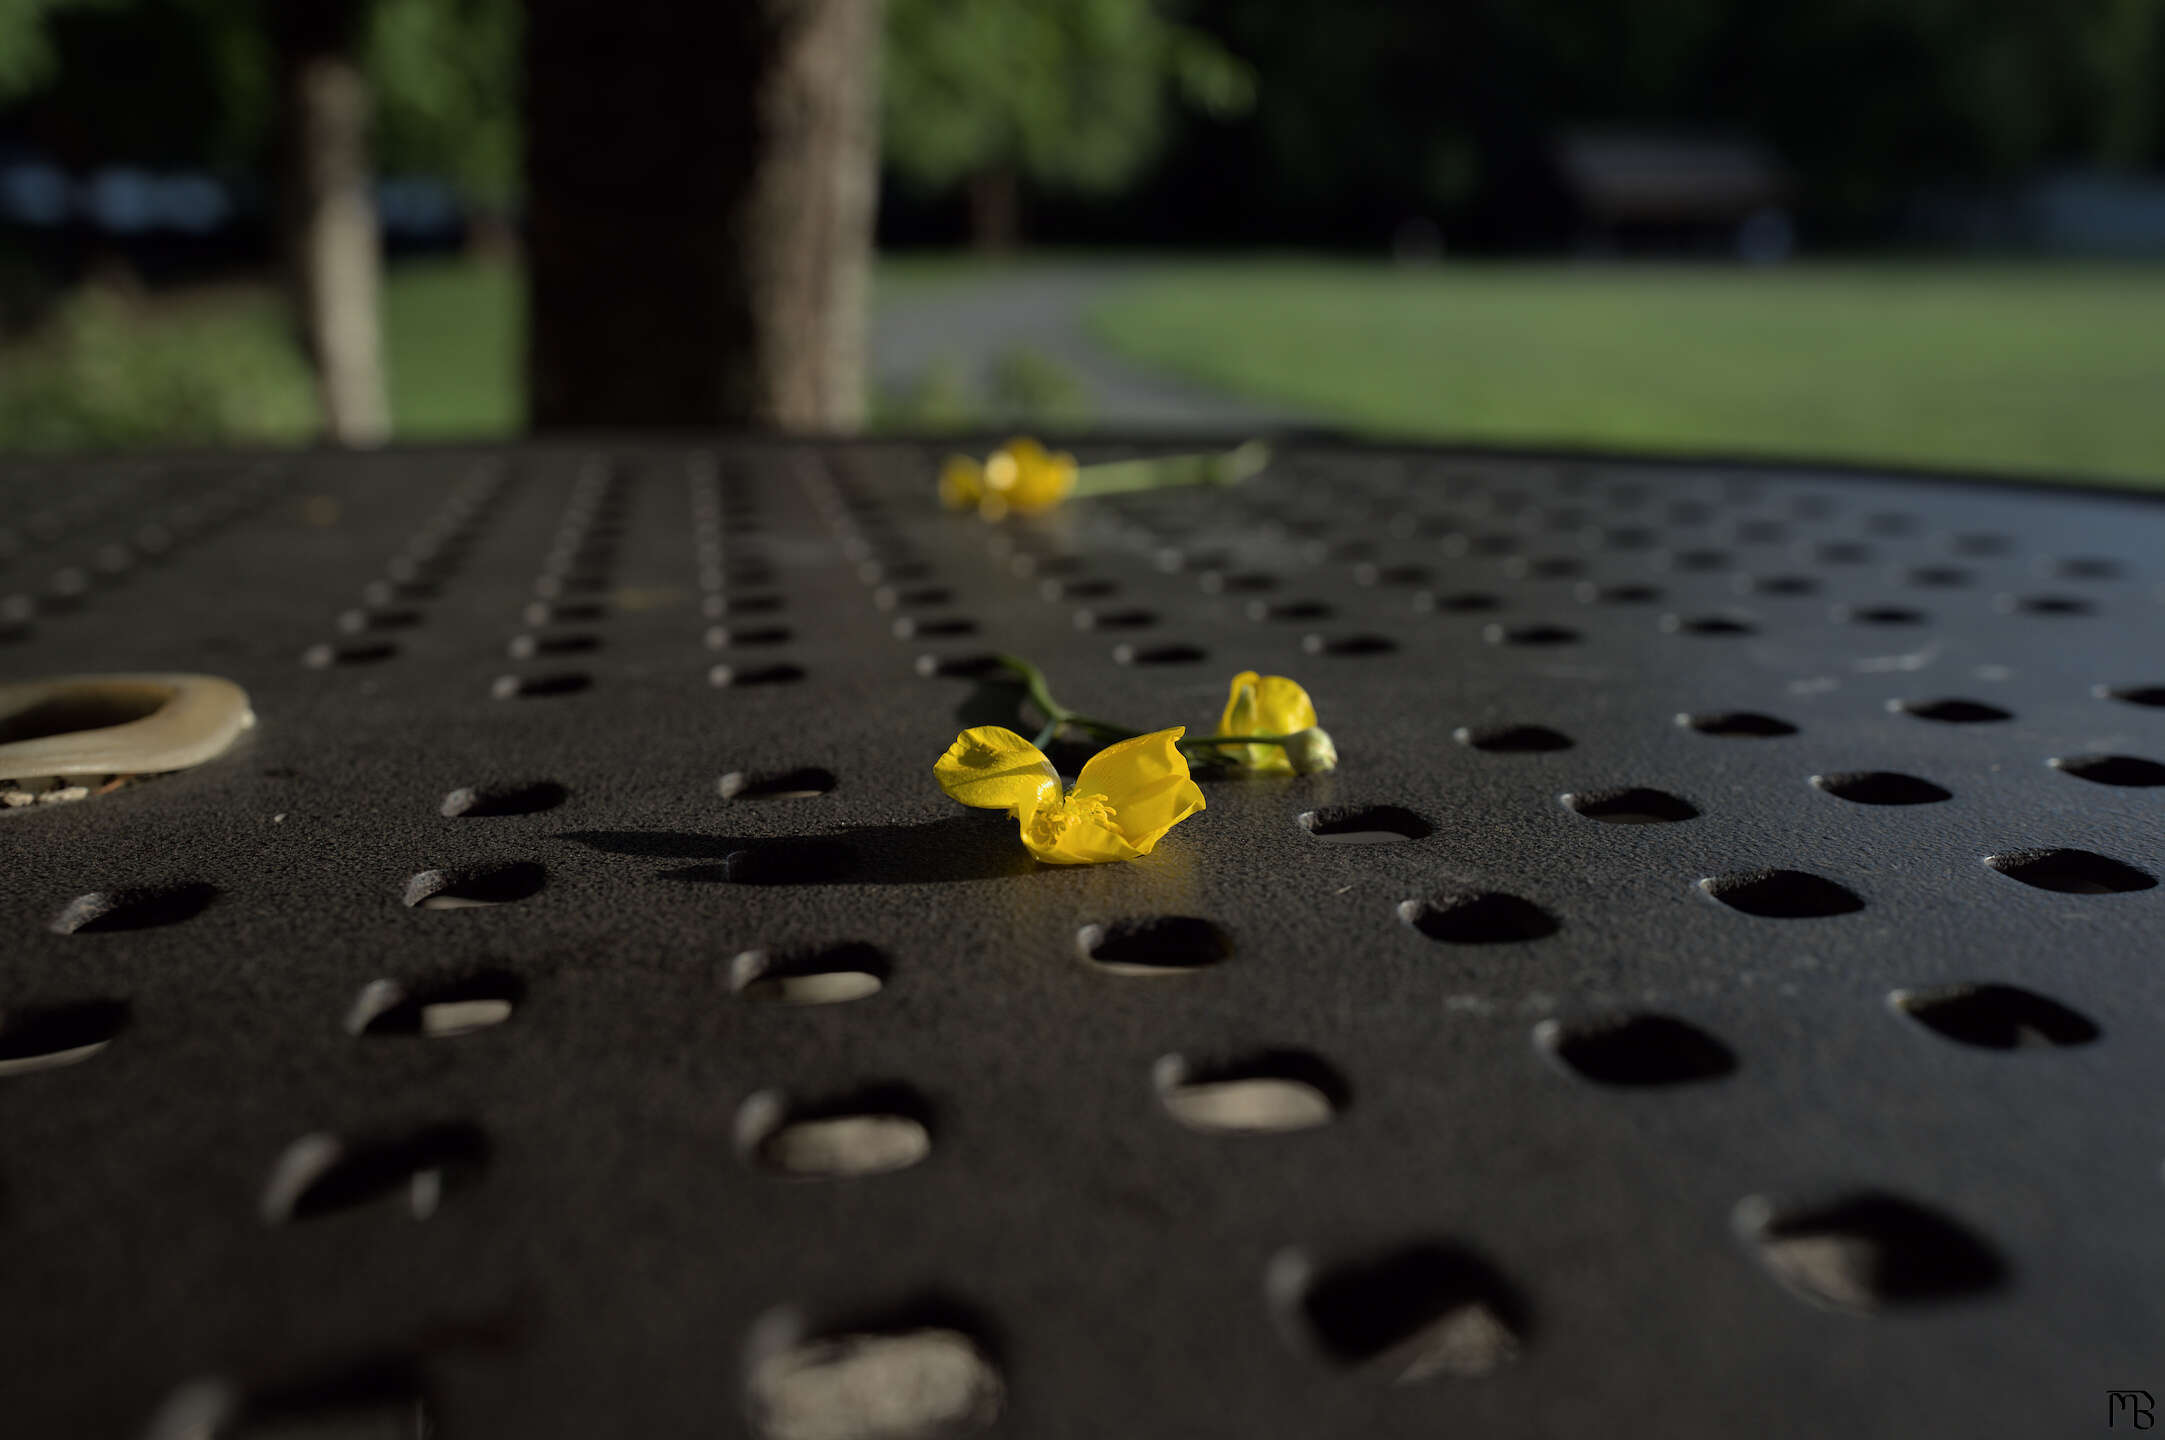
column 2057, row 369
column 454, row 338
column 2049, row 369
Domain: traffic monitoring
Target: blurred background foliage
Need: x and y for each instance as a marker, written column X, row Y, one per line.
column 1410, row 147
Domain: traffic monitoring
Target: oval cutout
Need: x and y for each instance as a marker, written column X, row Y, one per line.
column 1880, row 787
column 355, row 652
column 1622, row 594
column 52, row 1036
column 1951, row 711
column 898, row 1382
column 1631, row 805
column 1635, row 1050
column 1365, row 824
column 1403, row 1316
column 1348, row 645
column 141, row 907
column 1478, row 917
column 471, row 886
column 2127, row 770
column 321, row 1174
column 1159, row 654
column 1457, row 602
column 1879, row 615
column 1511, row 739
column 830, row 975
column 2049, row 605
column 753, row 637
column 1533, row 635
column 2149, row 696
column 806, row 782
column 1995, row 1017
column 1275, row 1091
column 1131, row 618
column 540, row 687
column 439, row 1010
column 723, row 677
column 1868, row 1252
column 382, row 1398
column 1714, row 626
column 1737, row 724
column 2070, row 872
column 1782, row 894
column 873, row 1132
column 531, row 647
column 1153, row 945
column 493, row 799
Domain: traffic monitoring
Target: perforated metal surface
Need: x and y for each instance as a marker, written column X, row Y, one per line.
column 1505, row 650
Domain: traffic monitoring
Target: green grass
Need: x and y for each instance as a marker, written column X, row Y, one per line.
column 2052, row 369
column 2036, row 368
column 454, row 335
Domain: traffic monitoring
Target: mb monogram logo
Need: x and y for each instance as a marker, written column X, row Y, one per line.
column 2133, row 1406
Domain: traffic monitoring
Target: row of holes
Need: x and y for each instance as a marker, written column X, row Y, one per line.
column 738, row 589
column 1418, row 1311
column 1461, row 916
column 175, row 524
column 414, row 576
column 576, row 571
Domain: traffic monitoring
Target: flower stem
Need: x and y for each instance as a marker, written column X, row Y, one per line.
column 1209, row 742
column 1228, row 467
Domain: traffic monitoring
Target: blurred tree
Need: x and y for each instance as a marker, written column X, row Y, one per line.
column 446, row 75
column 327, row 209
column 27, row 58
column 1066, row 93
column 700, row 192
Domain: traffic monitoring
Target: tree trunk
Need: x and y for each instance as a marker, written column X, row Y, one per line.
column 700, row 182
column 995, row 212
column 328, row 212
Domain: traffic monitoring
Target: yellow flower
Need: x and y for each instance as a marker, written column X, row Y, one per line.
column 1126, row 798
column 1022, row 476
column 962, row 483
column 1268, row 705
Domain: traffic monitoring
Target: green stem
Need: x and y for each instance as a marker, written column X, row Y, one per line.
column 1059, row 717
column 1033, row 681
column 1117, row 477
column 1212, row 741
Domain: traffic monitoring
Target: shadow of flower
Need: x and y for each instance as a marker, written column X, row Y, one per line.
column 957, row 848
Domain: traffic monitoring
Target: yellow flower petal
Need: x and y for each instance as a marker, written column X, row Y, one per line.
column 1038, row 479
column 962, row 482
column 1145, row 780
column 995, row 769
column 1080, row 830
column 1265, row 705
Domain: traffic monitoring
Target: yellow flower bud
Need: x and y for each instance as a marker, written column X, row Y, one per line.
column 1310, row 751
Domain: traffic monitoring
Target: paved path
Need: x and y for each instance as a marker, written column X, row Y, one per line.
column 968, row 325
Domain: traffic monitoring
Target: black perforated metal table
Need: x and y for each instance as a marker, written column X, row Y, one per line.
column 1744, row 1013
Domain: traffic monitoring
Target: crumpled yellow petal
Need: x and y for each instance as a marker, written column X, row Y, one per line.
column 962, row 483
column 993, row 768
column 1146, row 782
column 1077, row 831
column 1265, row 705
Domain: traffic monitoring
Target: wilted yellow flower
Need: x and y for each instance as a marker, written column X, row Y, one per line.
column 1269, row 705
column 1022, row 476
column 962, row 483
column 1126, row 798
